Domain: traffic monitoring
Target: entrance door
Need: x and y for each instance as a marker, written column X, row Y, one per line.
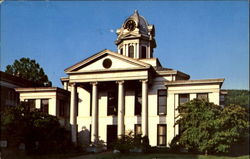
column 111, row 135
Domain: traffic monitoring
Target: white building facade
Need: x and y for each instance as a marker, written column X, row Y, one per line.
column 113, row 93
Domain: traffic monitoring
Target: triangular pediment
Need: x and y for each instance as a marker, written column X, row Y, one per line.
column 107, row 60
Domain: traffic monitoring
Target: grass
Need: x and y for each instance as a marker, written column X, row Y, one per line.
column 155, row 156
column 109, row 155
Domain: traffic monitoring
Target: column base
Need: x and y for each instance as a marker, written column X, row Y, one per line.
column 74, row 134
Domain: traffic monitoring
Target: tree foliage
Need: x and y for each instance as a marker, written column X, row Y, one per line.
column 208, row 128
column 40, row 132
column 238, row 97
column 30, row 70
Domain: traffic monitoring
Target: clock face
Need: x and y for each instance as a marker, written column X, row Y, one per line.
column 130, row 25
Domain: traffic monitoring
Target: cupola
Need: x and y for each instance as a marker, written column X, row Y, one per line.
column 136, row 37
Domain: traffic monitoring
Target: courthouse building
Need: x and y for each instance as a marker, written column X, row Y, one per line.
column 113, row 93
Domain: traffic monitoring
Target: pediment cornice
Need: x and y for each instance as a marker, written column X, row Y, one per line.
column 99, row 55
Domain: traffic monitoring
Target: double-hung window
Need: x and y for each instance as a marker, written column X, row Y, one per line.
column 45, row 105
column 162, row 102
column 202, row 96
column 183, row 98
column 161, row 134
column 112, row 103
column 138, row 102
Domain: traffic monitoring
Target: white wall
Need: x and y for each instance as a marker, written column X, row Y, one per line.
column 84, row 119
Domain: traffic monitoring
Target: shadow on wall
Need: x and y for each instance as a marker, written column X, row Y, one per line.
column 84, row 138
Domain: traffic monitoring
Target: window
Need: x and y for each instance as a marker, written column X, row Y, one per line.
column 183, row 98
column 62, row 108
column 32, row 104
column 138, row 102
column 121, row 51
column 138, row 129
column 45, row 105
column 202, row 96
column 112, row 103
column 161, row 134
column 143, row 52
column 162, row 102
column 131, row 51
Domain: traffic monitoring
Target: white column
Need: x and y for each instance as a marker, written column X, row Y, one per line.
column 94, row 131
column 65, row 85
column 73, row 105
column 138, row 50
column 126, row 49
column 144, row 108
column 121, row 101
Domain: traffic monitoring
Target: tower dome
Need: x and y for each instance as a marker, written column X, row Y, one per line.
column 136, row 37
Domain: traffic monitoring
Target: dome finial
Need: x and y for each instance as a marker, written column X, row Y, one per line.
column 136, row 11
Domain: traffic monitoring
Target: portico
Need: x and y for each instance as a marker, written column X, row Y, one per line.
column 81, row 76
column 119, row 118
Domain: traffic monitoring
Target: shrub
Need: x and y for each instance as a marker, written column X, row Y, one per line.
column 130, row 142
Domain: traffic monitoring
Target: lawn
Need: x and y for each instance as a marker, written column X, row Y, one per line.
column 154, row 156
column 109, row 155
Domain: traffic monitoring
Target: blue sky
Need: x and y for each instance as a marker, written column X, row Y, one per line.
column 203, row 39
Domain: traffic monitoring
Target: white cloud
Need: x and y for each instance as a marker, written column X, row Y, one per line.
column 111, row 30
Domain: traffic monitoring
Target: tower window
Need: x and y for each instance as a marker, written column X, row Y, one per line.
column 121, row 51
column 131, row 51
column 143, row 52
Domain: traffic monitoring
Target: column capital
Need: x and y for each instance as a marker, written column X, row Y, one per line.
column 120, row 82
column 94, row 83
column 72, row 84
column 144, row 80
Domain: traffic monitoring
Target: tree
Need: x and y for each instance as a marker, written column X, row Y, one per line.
column 30, row 70
column 209, row 128
column 238, row 97
column 40, row 132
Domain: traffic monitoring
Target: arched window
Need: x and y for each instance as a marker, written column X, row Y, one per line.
column 131, row 51
column 121, row 51
column 143, row 52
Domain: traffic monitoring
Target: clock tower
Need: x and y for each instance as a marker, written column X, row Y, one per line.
column 136, row 37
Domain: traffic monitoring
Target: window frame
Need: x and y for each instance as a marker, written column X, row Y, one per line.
column 115, row 105
column 142, row 53
column 135, row 129
column 158, row 101
column 42, row 106
column 203, row 94
column 138, row 105
column 131, row 51
column 158, row 135
column 180, row 98
column 29, row 104
column 121, row 51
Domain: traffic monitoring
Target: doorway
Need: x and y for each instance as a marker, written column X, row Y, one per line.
column 111, row 135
